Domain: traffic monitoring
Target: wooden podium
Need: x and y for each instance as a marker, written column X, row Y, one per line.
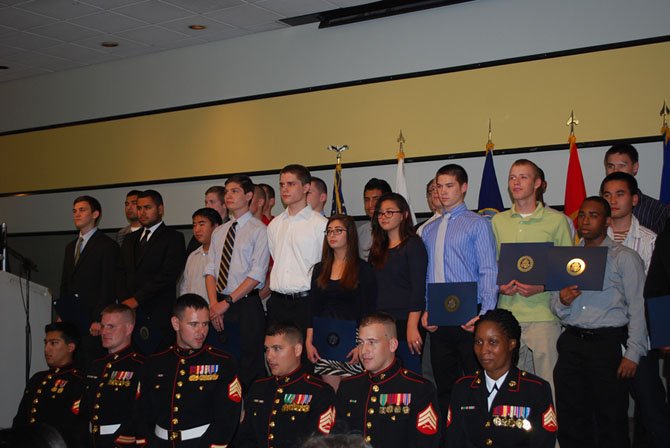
column 13, row 337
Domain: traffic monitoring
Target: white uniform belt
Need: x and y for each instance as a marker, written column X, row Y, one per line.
column 185, row 434
column 105, row 430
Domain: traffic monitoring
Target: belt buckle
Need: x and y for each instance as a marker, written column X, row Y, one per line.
column 174, row 436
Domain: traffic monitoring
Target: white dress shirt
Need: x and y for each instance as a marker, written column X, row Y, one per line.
column 295, row 244
column 193, row 279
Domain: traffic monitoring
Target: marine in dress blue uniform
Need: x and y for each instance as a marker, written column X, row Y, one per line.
column 282, row 411
column 522, row 413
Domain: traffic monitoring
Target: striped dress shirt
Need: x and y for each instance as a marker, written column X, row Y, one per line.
column 469, row 253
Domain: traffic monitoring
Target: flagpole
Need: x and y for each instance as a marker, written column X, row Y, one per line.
column 575, row 189
column 400, row 181
column 664, row 195
column 338, row 201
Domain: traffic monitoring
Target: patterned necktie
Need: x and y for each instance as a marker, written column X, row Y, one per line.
column 226, row 255
column 77, row 250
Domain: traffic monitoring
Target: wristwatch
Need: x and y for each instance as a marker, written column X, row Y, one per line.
column 229, row 300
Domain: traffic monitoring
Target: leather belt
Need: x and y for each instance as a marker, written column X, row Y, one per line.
column 586, row 333
column 292, row 295
column 185, row 434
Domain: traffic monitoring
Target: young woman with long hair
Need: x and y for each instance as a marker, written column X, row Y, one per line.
column 400, row 260
column 343, row 287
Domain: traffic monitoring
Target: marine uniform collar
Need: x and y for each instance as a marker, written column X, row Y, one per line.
column 61, row 370
column 187, row 352
column 385, row 374
column 511, row 380
column 283, row 380
column 127, row 350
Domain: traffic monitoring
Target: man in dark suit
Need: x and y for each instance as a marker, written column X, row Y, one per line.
column 89, row 275
column 152, row 260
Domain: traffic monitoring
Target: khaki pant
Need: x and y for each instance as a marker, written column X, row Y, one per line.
column 538, row 353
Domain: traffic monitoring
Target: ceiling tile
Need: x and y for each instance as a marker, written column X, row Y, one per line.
column 35, row 59
column 202, row 6
column 153, row 11
column 67, row 32
column 10, row 75
column 29, row 41
column 152, row 35
column 182, row 26
column 125, row 45
column 234, row 32
column 188, row 42
column 5, row 30
column 16, row 18
column 348, row 3
column 266, row 27
column 110, row 4
column 244, row 15
column 13, row 65
column 291, row 8
column 71, row 51
column 60, row 9
column 6, row 51
column 108, row 22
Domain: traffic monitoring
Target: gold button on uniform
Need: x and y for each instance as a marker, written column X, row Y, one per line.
column 368, row 439
column 371, row 411
column 375, row 388
column 276, row 400
column 271, row 437
column 280, row 391
column 488, row 442
column 373, row 399
column 272, row 424
column 274, row 412
column 182, row 372
column 175, row 421
column 369, row 425
column 179, row 384
column 175, row 409
column 177, row 396
column 487, row 424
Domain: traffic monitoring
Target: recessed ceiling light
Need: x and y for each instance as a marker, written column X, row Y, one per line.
column 4, row 67
column 197, row 27
column 110, row 44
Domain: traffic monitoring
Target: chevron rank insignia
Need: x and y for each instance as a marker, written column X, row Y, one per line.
column 326, row 420
column 549, row 421
column 235, row 390
column 426, row 421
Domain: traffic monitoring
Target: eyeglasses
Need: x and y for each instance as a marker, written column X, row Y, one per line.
column 336, row 231
column 387, row 213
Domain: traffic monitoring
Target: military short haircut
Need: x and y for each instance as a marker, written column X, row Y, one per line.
column 189, row 301
column 289, row 331
column 380, row 317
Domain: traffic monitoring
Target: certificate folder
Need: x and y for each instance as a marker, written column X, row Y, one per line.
column 581, row 266
column 333, row 338
column 451, row 304
column 524, row 262
column 658, row 310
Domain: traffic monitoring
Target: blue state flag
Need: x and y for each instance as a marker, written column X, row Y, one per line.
column 490, row 201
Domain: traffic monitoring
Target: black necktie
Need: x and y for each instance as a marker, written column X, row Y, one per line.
column 494, row 388
column 145, row 238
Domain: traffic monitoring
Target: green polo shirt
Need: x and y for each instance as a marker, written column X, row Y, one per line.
column 542, row 226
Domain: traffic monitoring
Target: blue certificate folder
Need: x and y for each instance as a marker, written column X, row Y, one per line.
column 524, row 262
column 451, row 304
column 658, row 310
column 333, row 338
column 581, row 266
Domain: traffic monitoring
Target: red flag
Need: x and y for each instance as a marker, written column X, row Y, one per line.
column 575, row 191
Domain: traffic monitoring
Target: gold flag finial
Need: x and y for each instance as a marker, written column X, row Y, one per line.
column 665, row 111
column 572, row 122
column 489, row 143
column 401, row 143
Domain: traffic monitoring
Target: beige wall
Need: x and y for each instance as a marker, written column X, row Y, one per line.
column 614, row 93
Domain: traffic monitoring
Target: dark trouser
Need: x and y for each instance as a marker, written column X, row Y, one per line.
column 591, row 402
column 248, row 318
column 295, row 310
column 652, row 421
column 452, row 356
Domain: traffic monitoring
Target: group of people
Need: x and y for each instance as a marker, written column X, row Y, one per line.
column 176, row 344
